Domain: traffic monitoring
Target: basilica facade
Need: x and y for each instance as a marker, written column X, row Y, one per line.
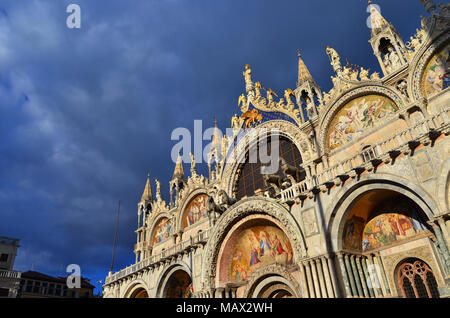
column 359, row 205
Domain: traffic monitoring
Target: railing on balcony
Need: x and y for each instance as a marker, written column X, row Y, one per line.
column 201, row 237
column 387, row 148
column 10, row 274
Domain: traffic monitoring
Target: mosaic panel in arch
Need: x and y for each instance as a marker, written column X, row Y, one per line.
column 360, row 114
column 163, row 230
column 258, row 247
column 436, row 77
column 197, row 210
column 382, row 230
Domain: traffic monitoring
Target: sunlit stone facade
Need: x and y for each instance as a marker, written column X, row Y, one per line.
column 358, row 208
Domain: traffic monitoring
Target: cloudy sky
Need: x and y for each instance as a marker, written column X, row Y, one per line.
column 85, row 113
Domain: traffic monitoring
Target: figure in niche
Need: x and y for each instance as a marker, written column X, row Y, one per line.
column 402, row 86
column 387, row 64
column 393, row 58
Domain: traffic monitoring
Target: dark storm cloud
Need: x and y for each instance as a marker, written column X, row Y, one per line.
column 85, row 113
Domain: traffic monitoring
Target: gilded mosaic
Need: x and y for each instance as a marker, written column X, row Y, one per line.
column 352, row 120
column 196, row 211
column 437, row 73
column 163, row 230
column 257, row 247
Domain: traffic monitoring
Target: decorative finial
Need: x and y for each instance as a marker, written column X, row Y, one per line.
column 298, row 53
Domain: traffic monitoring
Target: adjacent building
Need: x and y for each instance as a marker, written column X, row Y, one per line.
column 9, row 278
column 38, row 285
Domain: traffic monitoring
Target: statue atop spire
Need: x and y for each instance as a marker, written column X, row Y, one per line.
column 335, row 59
column 248, row 78
column 158, row 190
column 377, row 21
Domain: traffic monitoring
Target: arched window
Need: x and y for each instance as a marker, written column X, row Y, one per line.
column 250, row 178
column 416, row 280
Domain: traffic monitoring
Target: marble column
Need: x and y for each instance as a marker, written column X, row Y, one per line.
column 350, row 276
column 367, row 276
column 383, row 274
column 356, row 276
column 444, row 230
column 442, row 245
column 315, row 279
column 333, row 274
column 304, row 281
column 310, row 281
column 326, row 272
column 361, row 276
column 348, row 291
column 374, row 273
column 323, row 288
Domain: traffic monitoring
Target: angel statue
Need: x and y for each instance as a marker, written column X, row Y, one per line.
column 258, row 87
column 242, row 100
column 235, row 121
column 270, row 100
column 375, row 76
column 364, row 74
column 287, row 94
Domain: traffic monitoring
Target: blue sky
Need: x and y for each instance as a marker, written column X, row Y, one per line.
column 85, row 113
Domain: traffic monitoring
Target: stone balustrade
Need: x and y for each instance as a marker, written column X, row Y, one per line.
column 387, row 150
column 7, row 274
column 182, row 247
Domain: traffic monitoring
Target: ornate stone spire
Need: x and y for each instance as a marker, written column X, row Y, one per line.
column 178, row 172
column 377, row 21
column 147, row 195
column 303, row 72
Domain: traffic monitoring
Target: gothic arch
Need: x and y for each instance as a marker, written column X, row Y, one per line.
column 336, row 214
column 167, row 274
column 237, row 212
column 346, row 97
column 185, row 202
column 285, row 129
column 427, row 259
